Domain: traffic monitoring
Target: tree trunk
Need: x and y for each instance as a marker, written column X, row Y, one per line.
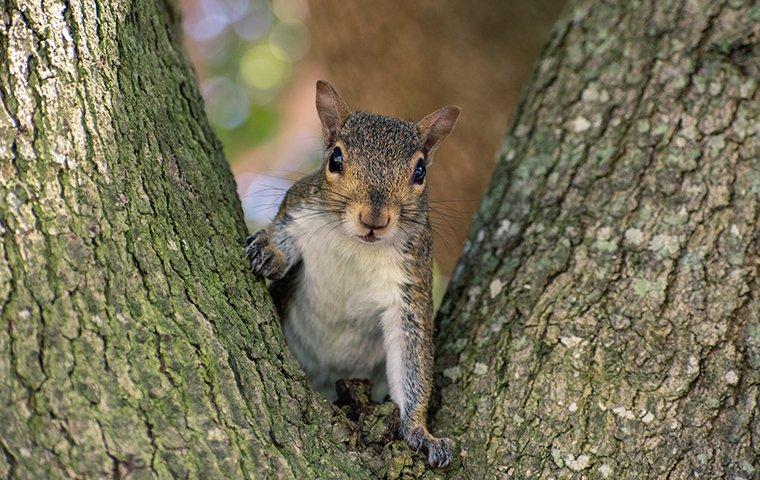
column 133, row 338
column 603, row 322
column 604, row 319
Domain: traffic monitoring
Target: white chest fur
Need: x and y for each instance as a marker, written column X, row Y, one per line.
column 344, row 293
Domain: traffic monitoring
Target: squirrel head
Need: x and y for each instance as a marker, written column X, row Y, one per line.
column 375, row 167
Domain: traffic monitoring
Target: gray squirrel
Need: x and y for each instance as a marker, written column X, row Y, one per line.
column 350, row 258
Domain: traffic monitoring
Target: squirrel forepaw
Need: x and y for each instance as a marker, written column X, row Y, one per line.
column 439, row 450
column 266, row 260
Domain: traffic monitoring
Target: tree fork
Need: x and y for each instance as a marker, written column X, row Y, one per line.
column 603, row 320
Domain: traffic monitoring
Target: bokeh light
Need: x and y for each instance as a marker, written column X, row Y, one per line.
column 227, row 103
column 289, row 40
column 244, row 51
column 261, row 69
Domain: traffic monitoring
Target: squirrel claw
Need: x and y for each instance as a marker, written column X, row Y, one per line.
column 266, row 260
column 439, row 450
column 259, row 238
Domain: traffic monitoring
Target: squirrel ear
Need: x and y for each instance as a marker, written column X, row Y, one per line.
column 436, row 126
column 332, row 110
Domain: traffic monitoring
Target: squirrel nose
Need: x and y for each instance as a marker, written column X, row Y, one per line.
column 375, row 222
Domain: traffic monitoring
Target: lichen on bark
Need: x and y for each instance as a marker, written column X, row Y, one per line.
column 603, row 321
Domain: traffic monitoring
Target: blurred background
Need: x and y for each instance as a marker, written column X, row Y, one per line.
column 257, row 62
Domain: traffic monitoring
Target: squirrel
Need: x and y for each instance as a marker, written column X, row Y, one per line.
column 349, row 256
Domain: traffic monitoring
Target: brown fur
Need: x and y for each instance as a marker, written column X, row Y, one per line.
column 373, row 199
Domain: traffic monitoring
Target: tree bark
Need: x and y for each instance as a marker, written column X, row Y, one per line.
column 603, row 320
column 134, row 339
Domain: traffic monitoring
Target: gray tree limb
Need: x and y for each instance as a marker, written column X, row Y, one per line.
column 604, row 320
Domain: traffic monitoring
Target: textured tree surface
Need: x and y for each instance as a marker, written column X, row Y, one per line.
column 603, row 322
column 133, row 340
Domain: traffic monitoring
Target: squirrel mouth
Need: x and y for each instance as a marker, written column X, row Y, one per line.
column 370, row 237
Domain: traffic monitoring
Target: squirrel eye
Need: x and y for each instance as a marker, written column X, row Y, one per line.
column 419, row 172
column 336, row 161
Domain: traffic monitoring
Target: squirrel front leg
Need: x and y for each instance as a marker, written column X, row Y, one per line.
column 408, row 338
column 271, row 250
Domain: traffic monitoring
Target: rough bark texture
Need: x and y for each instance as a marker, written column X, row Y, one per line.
column 133, row 339
column 604, row 321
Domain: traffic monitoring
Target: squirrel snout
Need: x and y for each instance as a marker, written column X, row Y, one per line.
column 371, row 224
column 375, row 222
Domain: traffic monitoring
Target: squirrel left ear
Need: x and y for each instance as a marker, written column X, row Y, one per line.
column 436, row 126
column 332, row 111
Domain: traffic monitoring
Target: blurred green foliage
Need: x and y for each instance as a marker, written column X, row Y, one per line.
column 244, row 51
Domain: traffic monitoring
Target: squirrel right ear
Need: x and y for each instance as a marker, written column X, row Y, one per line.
column 332, row 111
column 436, row 126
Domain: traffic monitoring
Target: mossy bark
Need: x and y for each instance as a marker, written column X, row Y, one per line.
column 133, row 340
column 603, row 321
